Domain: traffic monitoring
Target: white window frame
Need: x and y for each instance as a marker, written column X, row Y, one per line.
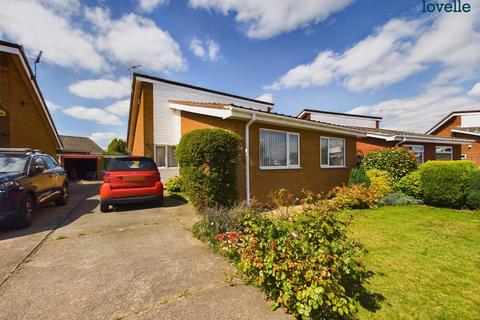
column 166, row 155
column 287, row 141
column 325, row 166
column 414, row 146
column 464, row 156
column 450, row 153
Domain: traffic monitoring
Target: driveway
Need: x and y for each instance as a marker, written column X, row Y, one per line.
column 135, row 263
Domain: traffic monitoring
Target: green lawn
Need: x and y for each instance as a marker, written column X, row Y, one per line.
column 426, row 262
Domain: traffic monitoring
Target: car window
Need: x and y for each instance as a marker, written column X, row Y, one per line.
column 39, row 162
column 51, row 164
column 12, row 164
column 131, row 164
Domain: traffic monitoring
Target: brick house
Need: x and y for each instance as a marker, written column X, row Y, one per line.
column 462, row 125
column 281, row 151
column 425, row 146
column 24, row 118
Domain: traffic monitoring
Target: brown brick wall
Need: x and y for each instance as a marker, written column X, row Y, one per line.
column 309, row 177
column 28, row 125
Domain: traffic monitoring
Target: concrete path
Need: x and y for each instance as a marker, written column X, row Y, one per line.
column 135, row 263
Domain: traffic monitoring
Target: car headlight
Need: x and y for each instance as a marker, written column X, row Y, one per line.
column 8, row 184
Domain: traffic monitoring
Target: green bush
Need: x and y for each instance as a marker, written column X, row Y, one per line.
column 473, row 196
column 208, row 159
column 381, row 182
column 446, row 183
column 397, row 161
column 174, row 185
column 410, row 185
column 356, row 196
column 359, row 176
column 399, row 199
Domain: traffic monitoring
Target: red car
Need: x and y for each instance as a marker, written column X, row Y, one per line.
column 130, row 180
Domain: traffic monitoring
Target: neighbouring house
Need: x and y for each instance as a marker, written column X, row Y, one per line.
column 25, row 121
column 82, row 158
column 280, row 151
column 425, row 146
column 463, row 125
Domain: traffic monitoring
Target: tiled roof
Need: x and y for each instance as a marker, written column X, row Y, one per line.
column 80, row 145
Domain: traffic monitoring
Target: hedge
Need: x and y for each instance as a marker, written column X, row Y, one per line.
column 397, row 161
column 410, row 185
column 446, row 183
column 208, row 160
column 473, row 196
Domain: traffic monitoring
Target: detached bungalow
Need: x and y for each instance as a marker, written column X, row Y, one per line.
column 425, row 146
column 281, row 151
column 463, row 125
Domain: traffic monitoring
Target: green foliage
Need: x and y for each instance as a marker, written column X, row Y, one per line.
column 473, row 196
column 381, row 182
column 117, row 146
column 208, row 159
column 359, row 176
column 175, row 185
column 399, row 199
column 302, row 264
column 446, row 183
column 410, row 185
column 356, row 196
column 396, row 161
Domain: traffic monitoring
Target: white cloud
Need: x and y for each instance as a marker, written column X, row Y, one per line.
column 97, row 115
column 267, row 97
column 475, row 91
column 396, row 51
column 101, row 88
column 53, row 106
column 133, row 39
column 268, row 18
column 419, row 113
column 150, row 5
column 39, row 27
column 104, row 138
column 206, row 50
column 120, row 108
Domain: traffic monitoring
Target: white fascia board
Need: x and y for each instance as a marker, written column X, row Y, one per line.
column 433, row 139
column 466, row 132
column 213, row 112
column 17, row 52
column 377, row 136
column 458, row 114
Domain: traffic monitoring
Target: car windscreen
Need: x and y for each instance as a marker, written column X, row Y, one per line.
column 131, row 164
column 12, row 164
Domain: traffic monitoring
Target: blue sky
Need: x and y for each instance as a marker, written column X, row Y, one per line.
column 384, row 58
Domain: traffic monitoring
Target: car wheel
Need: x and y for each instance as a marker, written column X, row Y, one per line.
column 104, row 206
column 63, row 199
column 25, row 212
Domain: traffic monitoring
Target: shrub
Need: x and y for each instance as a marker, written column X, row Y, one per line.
column 446, row 183
column 381, row 182
column 472, row 200
column 359, row 176
column 174, row 185
column 302, row 265
column 410, row 185
column 399, row 199
column 208, row 159
column 396, row 161
column 356, row 196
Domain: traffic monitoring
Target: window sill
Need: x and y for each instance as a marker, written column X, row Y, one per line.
column 280, row 168
column 333, row 167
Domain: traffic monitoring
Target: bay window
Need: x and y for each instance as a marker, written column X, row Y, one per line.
column 279, row 149
column 332, row 152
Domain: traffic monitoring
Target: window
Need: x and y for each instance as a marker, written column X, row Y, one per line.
column 279, row 149
column 443, row 153
column 51, row 164
column 165, row 156
column 332, row 152
column 131, row 164
column 419, row 152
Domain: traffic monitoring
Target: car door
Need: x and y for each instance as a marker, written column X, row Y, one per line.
column 42, row 179
column 53, row 170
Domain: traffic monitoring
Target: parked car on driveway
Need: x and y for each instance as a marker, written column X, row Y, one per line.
column 130, row 179
column 28, row 178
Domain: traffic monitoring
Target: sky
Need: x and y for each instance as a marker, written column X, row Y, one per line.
column 370, row 57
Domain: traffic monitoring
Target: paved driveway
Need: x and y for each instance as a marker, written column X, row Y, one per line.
column 136, row 263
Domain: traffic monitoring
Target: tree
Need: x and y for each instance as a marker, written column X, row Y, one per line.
column 117, row 146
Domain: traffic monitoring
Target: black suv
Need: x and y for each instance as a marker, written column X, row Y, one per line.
column 28, row 178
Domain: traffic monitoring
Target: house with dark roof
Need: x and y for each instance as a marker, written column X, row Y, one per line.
column 25, row 121
column 462, row 125
column 425, row 146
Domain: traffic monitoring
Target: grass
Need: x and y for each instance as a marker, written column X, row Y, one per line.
column 426, row 262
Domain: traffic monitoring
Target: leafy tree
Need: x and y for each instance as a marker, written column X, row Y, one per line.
column 117, row 146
